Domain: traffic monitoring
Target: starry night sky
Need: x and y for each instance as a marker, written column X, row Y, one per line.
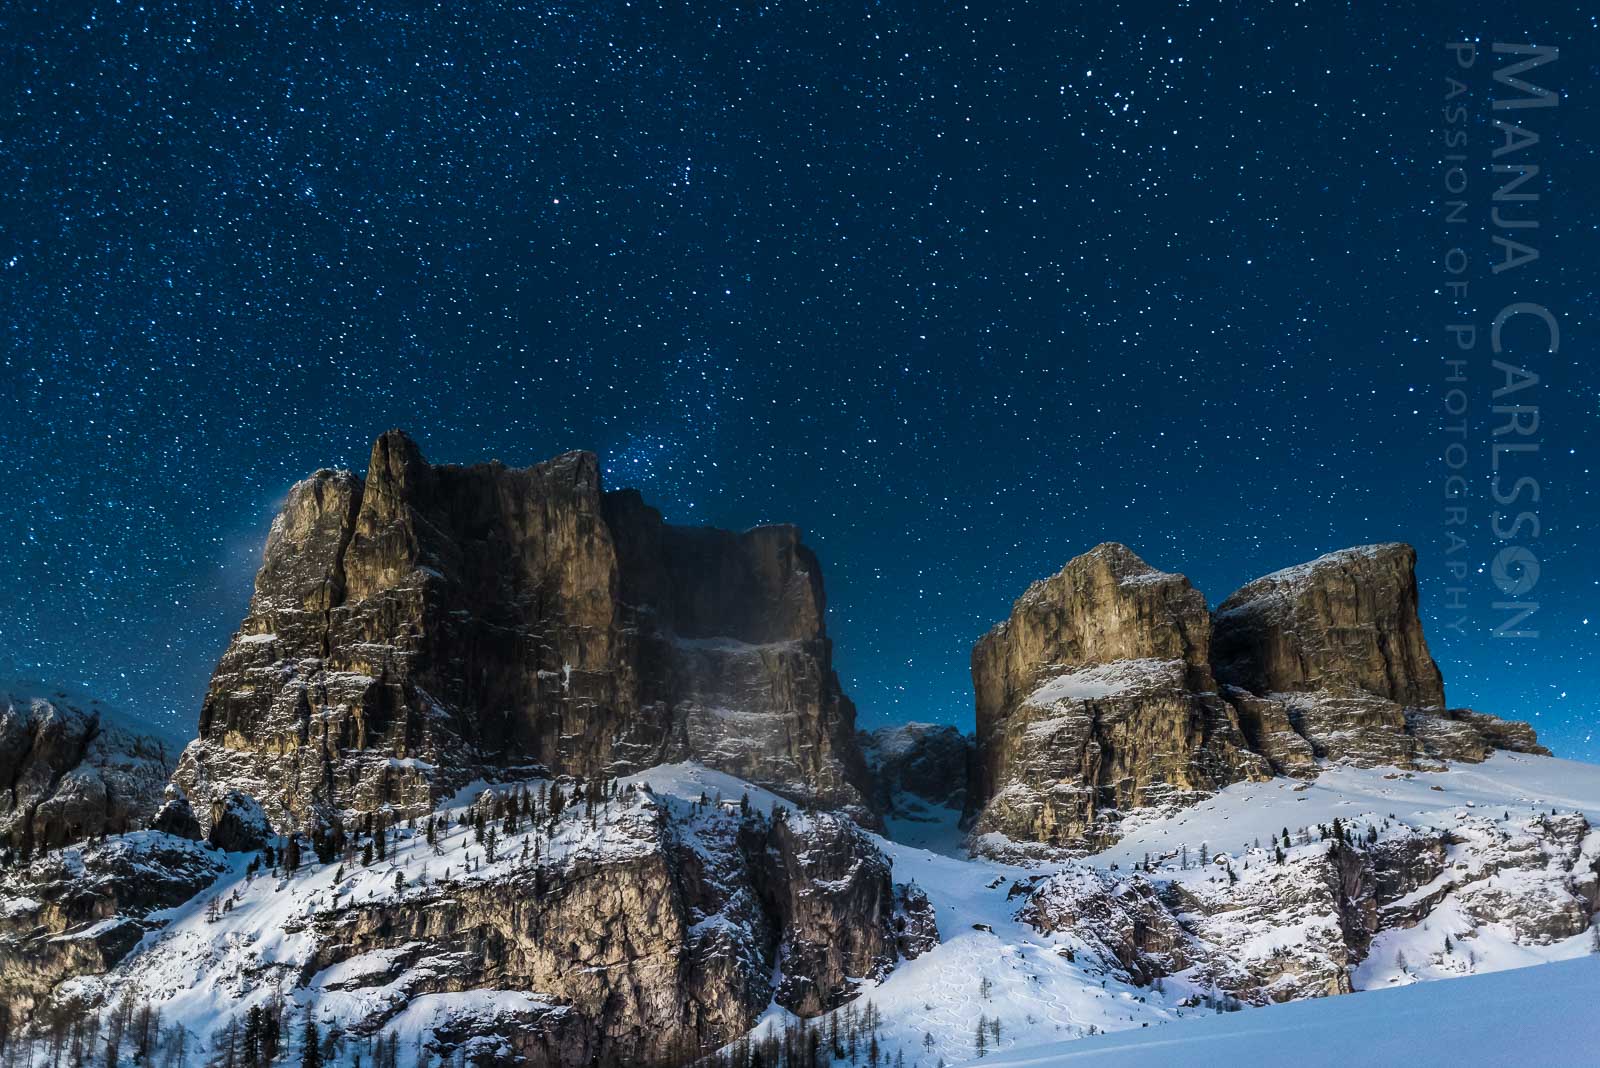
column 962, row 289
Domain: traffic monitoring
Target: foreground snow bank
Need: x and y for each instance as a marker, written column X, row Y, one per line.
column 1541, row 1015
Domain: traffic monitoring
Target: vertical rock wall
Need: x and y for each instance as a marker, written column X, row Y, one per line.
column 429, row 624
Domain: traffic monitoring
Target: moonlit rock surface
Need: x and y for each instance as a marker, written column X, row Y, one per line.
column 428, row 624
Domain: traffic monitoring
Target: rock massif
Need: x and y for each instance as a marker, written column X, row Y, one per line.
column 1346, row 621
column 69, row 769
column 1337, row 644
column 1111, row 688
column 430, row 624
column 1097, row 697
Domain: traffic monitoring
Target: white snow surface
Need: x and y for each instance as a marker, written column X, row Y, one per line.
column 1542, row 1016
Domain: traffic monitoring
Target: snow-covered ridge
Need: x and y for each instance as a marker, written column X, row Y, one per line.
column 1068, row 985
column 23, row 691
column 1052, row 951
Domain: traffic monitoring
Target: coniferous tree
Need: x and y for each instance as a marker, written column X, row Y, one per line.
column 311, row 1043
column 250, row 1049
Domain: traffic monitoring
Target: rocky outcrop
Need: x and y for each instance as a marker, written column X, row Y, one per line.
column 1096, row 697
column 1119, row 919
column 1344, row 622
column 919, row 766
column 1324, row 913
column 1338, row 643
column 833, row 904
column 1270, row 731
column 625, row 928
column 1112, row 688
column 175, row 817
column 80, row 910
column 1321, row 902
column 70, row 769
column 238, row 823
column 916, row 926
column 430, row 624
column 1507, row 735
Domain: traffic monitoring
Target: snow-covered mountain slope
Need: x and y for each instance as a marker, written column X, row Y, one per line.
column 494, row 931
column 1542, row 1016
column 920, row 772
column 1509, row 893
column 1424, row 876
column 1250, row 810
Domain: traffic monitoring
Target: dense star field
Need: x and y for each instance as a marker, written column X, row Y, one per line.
column 962, row 290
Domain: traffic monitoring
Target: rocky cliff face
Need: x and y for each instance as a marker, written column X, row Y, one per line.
column 920, row 771
column 1112, row 688
column 1338, row 645
column 1281, row 923
column 1337, row 642
column 1096, row 697
column 69, row 769
column 429, row 624
column 628, row 927
column 80, row 910
column 1343, row 622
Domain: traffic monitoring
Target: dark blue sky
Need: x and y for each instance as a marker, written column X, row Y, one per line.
column 960, row 289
